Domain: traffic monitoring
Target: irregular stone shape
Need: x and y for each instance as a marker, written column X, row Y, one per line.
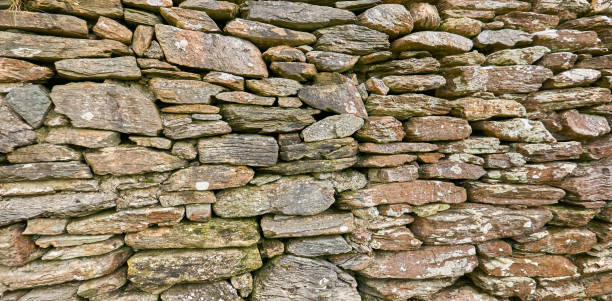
column 276, row 280
column 245, row 98
column 447, row 169
column 66, row 291
column 16, row 249
column 396, row 148
column 90, row 10
column 384, row 160
column 466, row 27
column 31, row 103
column 589, row 182
column 44, row 171
column 561, row 241
column 210, row 51
column 436, row 128
column 332, row 127
column 501, row 39
column 42, row 273
column 405, row 106
column 298, row 16
column 310, row 166
column 155, row 142
column 540, row 152
column 571, row 216
column 263, row 120
column 155, row 270
column 322, row 150
column 464, row 292
column 12, row 70
column 93, row 249
column 208, row 177
column 499, row 7
column 563, row 99
column 572, row 78
column 403, row 173
column 494, row 248
column 141, row 17
column 528, row 266
column 216, row 233
column 478, row 145
column 331, row 61
column 403, row 67
column 67, row 240
column 107, row 106
column 528, row 21
column 402, row 289
column 417, row 192
column 231, row 81
column 218, row 290
column 468, row 58
column 471, row 223
column 189, row 19
column 218, row 10
column 82, row 137
column 376, row 86
column 521, row 287
column 94, row 287
column 274, row 86
column 48, row 48
column 43, row 153
column 302, row 226
column 427, row 262
column 184, row 91
column 265, row 35
column 339, row 96
column 522, row 56
column 425, row 16
column 124, row 68
column 508, row 194
column 439, row 42
column 318, row 246
column 381, row 129
column 141, row 39
column 516, row 129
column 299, row 195
column 252, row 150
column 589, row 265
column 474, row 108
column 597, row 62
column 351, row 39
column 413, row 83
column 131, row 160
column 294, row 70
column 129, row 220
column 107, row 28
column 284, row 54
column 565, row 39
column 559, row 61
column 197, row 129
column 466, row 80
column 53, row 24
column 392, row 19
column 545, row 173
column 46, row 226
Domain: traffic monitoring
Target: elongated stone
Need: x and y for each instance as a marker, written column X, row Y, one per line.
column 436, row 128
column 521, row 287
column 405, row 106
column 545, row 173
column 124, row 68
column 218, row 10
column 396, row 148
column 210, row 51
column 108, row 107
column 331, row 61
column 297, row 15
column 99, row 286
column 82, row 137
column 427, row 262
column 151, row 270
column 392, row 19
column 318, row 246
column 417, row 192
column 470, row 223
column 90, row 10
column 277, row 280
column 332, row 127
column 561, row 241
column 131, row 160
column 43, row 153
column 517, row 129
column 60, row 25
column 257, row 119
column 563, row 99
column 107, row 28
column 129, row 220
column 301, row 195
column 245, row 98
column 216, row 290
column 413, row 83
column 12, row 70
column 381, row 129
column 208, row 177
column 266, row 35
column 404, row 67
column 48, row 48
column 589, row 182
column 303, row 226
column 433, row 41
column 44, row 171
column 67, row 240
column 529, row 266
column 565, row 39
column 274, row 86
column 85, row 250
column 351, row 39
column 46, row 226
column 501, row 39
column 498, row 7
column 189, row 19
column 400, row 289
column 310, row 166
column 540, row 152
column 184, row 91
column 473, row 108
column 216, row 233
column 321, row 150
column 514, row 194
column 42, row 273
column 252, row 150
column 447, row 169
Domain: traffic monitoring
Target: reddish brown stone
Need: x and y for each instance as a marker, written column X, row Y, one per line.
column 381, row 129
column 505, row 160
column 436, row 128
column 403, row 173
column 516, row 129
column 16, row 249
column 521, row 287
column 12, row 70
column 558, row 61
column 513, row 194
column 394, row 239
column 396, row 148
column 417, row 192
column 430, row 157
column 571, row 216
column 545, row 173
column 528, row 21
column 528, row 266
column 582, row 126
column 561, row 241
column 565, row 39
column 588, row 264
column 384, row 160
column 563, row 99
column 394, row 209
column 463, row 293
column 447, row 169
column 550, row 152
column 427, row 262
column 494, row 248
column 603, row 230
column 590, row 182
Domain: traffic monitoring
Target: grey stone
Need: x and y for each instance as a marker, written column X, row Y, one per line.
column 44, row 171
column 327, row 223
column 297, row 15
column 336, row 126
column 217, row 290
column 351, row 39
column 31, row 103
column 124, row 68
column 258, row 119
column 318, row 246
column 338, row 95
column 239, row 149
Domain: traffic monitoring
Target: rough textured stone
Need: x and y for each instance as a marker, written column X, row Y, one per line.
column 433, row 41
column 252, row 150
column 332, row 127
column 517, row 129
column 266, row 120
column 529, row 266
column 563, row 99
column 60, row 25
column 12, row 70
column 184, row 91
column 276, row 280
column 401, row 289
column 107, row 28
column 202, row 50
column 351, row 39
column 331, row 61
column 130, row 220
column 43, row 153
column 189, row 19
column 208, row 177
column 218, row 290
column 545, row 173
column 31, row 103
column 470, row 223
column 131, row 160
column 341, row 90
column 17, row 249
column 124, row 68
column 522, row 56
column 298, row 16
column 44, row 171
column 561, row 241
column 85, row 250
column 448, row 169
column 425, row 16
column 392, row 19
column 405, row 106
column 266, row 35
column 82, row 137
column 588, row 181
column 274, row 86
column 508, row 194
column 404, row 67
column 502, row 39
column 539, row 152
column 321, row 150
column 183, row 266
column 413, row 83
column 318, row 246
column 436, row 128
column 302, row 226
column 572, row 78
column 521, row 287
column 381, row 129
column 473, row 108
column 565, row 39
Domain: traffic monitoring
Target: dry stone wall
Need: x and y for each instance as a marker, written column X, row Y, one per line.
column 311, row 150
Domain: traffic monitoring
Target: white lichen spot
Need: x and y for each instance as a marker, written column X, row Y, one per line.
column 202, row 185
column 87, row 116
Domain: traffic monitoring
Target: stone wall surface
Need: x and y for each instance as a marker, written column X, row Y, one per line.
column 305, row 150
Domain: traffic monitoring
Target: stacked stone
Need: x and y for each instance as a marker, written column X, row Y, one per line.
column 318, row 150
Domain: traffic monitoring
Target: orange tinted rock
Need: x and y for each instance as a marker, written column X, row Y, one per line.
column 402, row 173
column 561, row 241
column 529, row 266
column 436, row 128
column 512, row 194
column 430, row 157
column 582, row 126
column 12, row 70
column 589, row 182
column 545, row 173
column 394, row 239
column 381, row 129
column 16, row 249
column 384, row 160
column 452, row 170
column 494, row 248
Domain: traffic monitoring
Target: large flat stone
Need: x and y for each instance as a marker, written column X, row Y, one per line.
column 529, row 266
column 563, row 99
column 405, row 106
column 44, row 171
column 320, row 150
column 338, row 95
column 43, row 153
column 301, row 195
column 208, row 177
column 516, row 129
column 215, row 290
column 311, row 166
column 82, row 137
column 45, row 23
column 131, row 160
column 297, row 15
column 184, row 91
column 210, row 51
column 87, row 9
column 351, row 39
column 124, row 68
column 267, row 35
column 589, row 182
column 154, row 271
column 251, row 150
column 258, row 119
column 435, row 41
column 12, row 70
column 514, row 194
column 327, row 223
column 216, row 233
column 48, row 48
column 107, row 106
column 129, row 220
column 470, row 223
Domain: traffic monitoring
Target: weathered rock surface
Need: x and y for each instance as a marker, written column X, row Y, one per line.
column 218, row 290
column 321, row 150
column 279, row 226
column 529, row 266
column 517, row 129
column 44, row 171
column 129, row 220
column 436, row 128
column 561, row 241
column 501, row 39
column 545, row 173
column 413, row 83
column 318, row 246
column 381, row 129
column 509, row 194
column 522, row 56
column 252, row 150
column 266, row 35
column 12, row 70
column 448, row 169
column 298, row 16
column 340, row 90
column 82, row 137
column 473, row 108
column 433, row 41
column 189, row 19
column 124, row 68
column 563, row 99
column 30, row 102
column 392, row 19
column 208, row 177
column 351, row 39
column 43, row 153
column 17, row 249
column 397, row 289
column 470, row 223
column 588, row 182
column 131, row 160
column 332, row 127
column 266, row 120
column 407, row 105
